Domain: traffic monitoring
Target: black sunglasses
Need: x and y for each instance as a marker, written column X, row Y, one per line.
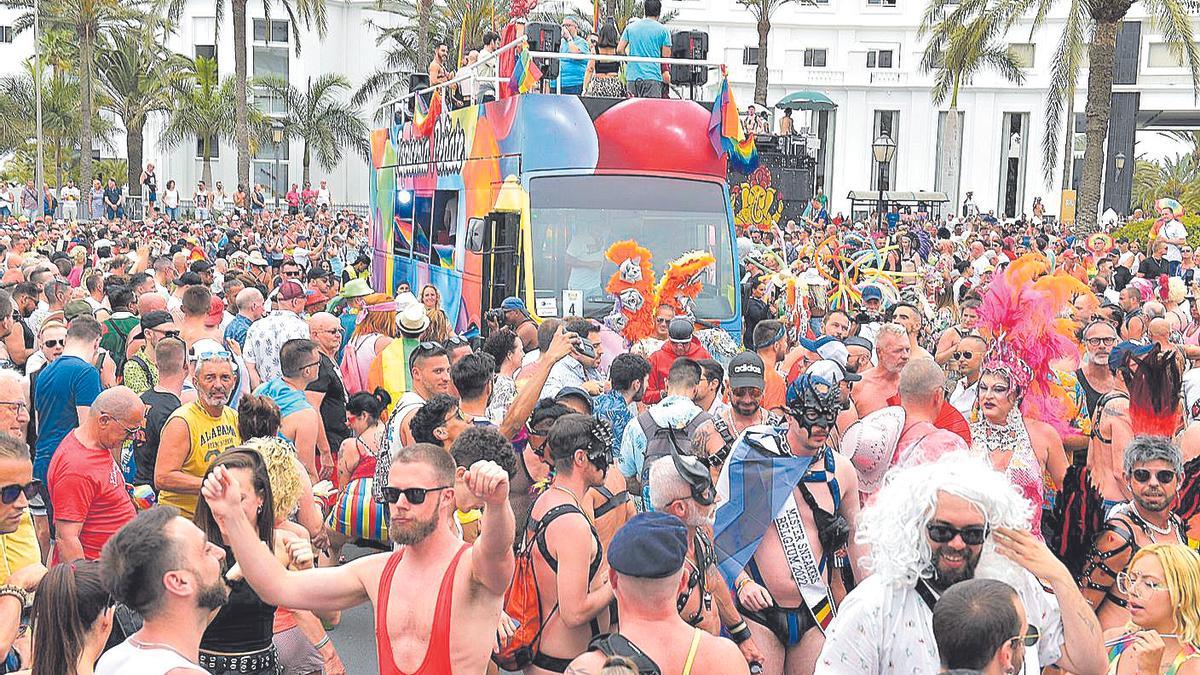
column 972, row 535
column 1031, row 636
column 415, row 496
column 1163, row 475
column 429, row 348
column 963, row 355
column 456, row 341
column 55, row 343
column 8, row 493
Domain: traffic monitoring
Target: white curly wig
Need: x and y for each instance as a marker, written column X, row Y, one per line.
column 892, row 527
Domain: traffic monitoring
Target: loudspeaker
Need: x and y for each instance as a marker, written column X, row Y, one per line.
column 545, row 37
column 417, row 82
column 689, row 44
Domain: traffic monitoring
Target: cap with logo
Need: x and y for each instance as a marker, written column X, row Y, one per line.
column 871, row 292
column 747, row 370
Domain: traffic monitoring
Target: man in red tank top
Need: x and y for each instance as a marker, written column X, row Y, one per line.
column 417, row 633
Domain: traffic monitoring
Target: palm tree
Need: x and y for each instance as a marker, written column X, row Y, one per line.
column 60, row 116
column 762, row 11
column 205, row 110
column 960, row 45
column 320, row 118
column 1177, row 177
column 85, row 20
column 140, row 77
column 1092, row 25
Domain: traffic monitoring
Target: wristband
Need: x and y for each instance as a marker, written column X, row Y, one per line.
column 23, row 596
column 322, row 642
column 739, row 633
column 742, row 582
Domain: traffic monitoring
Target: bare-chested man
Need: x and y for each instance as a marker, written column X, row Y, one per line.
column 909, row 316
column 195, row 306
column 441, row 630
column 882, row 382
column 1153, row 469
column 745, row 382
column 778, row 588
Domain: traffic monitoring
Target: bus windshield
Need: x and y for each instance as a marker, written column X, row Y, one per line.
column 576, row 218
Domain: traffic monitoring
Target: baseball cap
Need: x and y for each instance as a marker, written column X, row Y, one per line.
column 77, row 308
column 319, row 272
column 567, row 392
column 747, row 370
column 650, row 545
column 871, row 292
column 290, row 290
column 189, row 279
column 201, row 266
column 680, row 330
column 216, row 312
column 513, row 303
column 832, row 371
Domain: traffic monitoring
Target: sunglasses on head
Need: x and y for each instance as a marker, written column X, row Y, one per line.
column 9, row 493
column 415, row 495
column 1163, row 475
column 456, row 341
column 429, row 348
column 972, row 535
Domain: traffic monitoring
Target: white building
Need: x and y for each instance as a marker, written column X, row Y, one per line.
column 348, row 48
column 865, row 56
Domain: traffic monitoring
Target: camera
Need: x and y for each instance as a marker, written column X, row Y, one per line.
column 496, row 316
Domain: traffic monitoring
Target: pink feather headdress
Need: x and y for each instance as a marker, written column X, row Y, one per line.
column 1020, row 312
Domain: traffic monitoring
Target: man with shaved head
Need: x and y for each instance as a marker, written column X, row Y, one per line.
column 327, row 393
column 250, row 308
column 87, row 491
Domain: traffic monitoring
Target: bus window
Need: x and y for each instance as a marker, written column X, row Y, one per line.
column 445, row 227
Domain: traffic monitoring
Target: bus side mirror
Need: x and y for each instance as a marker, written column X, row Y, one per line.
column 476, row 229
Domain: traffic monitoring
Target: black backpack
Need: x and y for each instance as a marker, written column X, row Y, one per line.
column 664, row 441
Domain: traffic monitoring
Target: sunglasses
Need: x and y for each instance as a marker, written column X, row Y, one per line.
column 210, row 356
column 972, row 535
column 430, row 348
column 9, row 493
column 55, row 343
column 963, row 355
column 534, row 432
column 167, row 333
column 415, row 496
column 1030, row 637
column 456, row 341
column 1163, row 475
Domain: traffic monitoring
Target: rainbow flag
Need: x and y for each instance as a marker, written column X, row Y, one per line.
column 525, row 73
column 423, row 118
column 726, row 134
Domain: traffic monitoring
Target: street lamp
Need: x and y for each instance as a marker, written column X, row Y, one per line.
column 1119, row 162
column 884, row 149
column 277, row 139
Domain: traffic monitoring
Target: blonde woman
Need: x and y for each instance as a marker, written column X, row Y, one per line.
column 439, row 324
column 1163, row 636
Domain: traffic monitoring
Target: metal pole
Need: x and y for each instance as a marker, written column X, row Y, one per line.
column 40, row 169
column 277, row 178
column 880, row 179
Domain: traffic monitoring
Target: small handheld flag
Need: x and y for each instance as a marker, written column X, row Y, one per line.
column 526, row 74
column 725, row 131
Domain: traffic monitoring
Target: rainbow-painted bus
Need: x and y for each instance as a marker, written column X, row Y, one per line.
column 524, row 195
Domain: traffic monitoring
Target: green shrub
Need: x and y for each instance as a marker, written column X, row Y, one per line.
column 1139, row 230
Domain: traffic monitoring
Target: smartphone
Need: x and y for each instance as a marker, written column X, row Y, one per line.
column 586, row 348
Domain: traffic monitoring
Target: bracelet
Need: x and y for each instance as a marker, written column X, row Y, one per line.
column 323, row 641
column 742, row 582
column 741, row 634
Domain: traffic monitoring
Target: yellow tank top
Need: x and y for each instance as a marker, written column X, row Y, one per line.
column 208, row 437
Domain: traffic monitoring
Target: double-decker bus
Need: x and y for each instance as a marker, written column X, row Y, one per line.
column 523, row 196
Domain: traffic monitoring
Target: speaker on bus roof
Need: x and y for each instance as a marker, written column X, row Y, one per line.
column 689, row 44
column 545, row 36
column 417, row 82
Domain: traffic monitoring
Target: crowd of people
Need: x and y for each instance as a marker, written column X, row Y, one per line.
column 953, row 445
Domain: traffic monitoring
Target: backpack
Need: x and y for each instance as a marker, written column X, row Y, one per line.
column 664, row 441
column 117, row 345
column 522, row 600
column 352, row 367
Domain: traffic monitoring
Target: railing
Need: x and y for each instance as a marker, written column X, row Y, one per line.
column 135, row 208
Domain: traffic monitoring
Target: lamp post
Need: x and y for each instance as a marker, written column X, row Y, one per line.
column 277, row 139
column 1119, row 162
column 884, row 149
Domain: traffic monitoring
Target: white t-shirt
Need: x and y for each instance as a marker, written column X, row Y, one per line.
column 323, row 196
column 887, row 629
column 127, row 658
column 1173, row 230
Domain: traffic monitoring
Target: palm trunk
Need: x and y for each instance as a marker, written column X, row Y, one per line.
column 1069, row 149
column 133, row 151
column 1099, row 98
column 949, row 165
column 306, row 160
column 242, row 120
column 85, row 106
column 424, row 9
column 206, row 172
column 760, row 71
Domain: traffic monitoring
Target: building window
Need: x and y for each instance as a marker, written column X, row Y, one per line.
column 214, row 147
column 750, row 56
column 206, row 52
column 815, row 58
column 6, row 34
column 1160, row 55
column 279, row 31
column 271, row 59
column 883, row 177
column 264, row 168
column 880, row 58
column 1023, row 53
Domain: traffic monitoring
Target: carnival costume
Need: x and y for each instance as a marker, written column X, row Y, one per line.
column 757, row 489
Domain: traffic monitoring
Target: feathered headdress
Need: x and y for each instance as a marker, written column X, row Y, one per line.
column 1020, row 311
column 638, row 298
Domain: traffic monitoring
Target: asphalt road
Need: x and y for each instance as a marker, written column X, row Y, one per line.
column 354, row 637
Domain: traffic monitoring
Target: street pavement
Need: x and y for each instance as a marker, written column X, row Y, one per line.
column 354, row 637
